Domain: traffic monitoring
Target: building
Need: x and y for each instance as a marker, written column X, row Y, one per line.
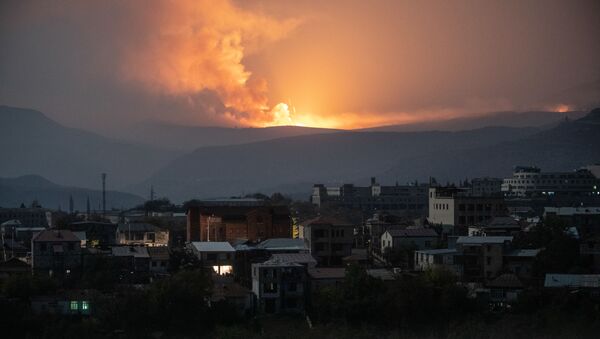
column 97, row 234
column 498, row 226
column 400, row 199
column 56, row 252
column 304, row 259
column 585, row 219
column 217, row 255
column 456, row 208
column 484, row 187
column 377, row 225
column 159, row 260
column 481, row 258
column 573, row 281
column 531, row 182
column 417, row 238
column 233, row 219
column 283, row 245
column 29, row 217
column 520, row 262
column 279, row 287
column 237, row 296
column 133, row 234
column 589, row 249
column 328, row 239
column 427, row 259
column 13, row 266
column 70, row 302
column 133, row 261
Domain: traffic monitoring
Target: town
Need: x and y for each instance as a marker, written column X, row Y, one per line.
column 390, row 256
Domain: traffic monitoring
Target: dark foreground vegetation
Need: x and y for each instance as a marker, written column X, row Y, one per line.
column 431, row 305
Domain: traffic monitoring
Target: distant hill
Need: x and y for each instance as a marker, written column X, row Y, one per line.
column 288, row 164
column 32, row 143
column 188, row 138
column 25, row 189
column 541, row 119
column 568, row 146
column 282, row 164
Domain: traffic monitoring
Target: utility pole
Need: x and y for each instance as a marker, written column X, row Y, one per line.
column 151, row 193
column 104, row 195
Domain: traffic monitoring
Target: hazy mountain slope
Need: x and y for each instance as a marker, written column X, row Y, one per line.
column 188, row 138
column 566, row 147
column 31, row 143
column 25, row 189
column 509, row 119
column 344, row 156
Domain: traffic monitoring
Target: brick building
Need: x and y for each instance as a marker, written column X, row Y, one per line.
column 233, row 219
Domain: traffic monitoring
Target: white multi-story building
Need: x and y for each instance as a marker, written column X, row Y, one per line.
column 528, row 182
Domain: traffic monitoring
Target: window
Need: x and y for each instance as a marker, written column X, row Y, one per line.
column 270, row 287
column 74, row 305
column 43, row 247
column 211, row 256
column 84, row 305
column 489, row 260
column 71, row 246
column 427, row 244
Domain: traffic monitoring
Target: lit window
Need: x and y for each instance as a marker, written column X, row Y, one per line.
column 74, row 305
column 84, row 305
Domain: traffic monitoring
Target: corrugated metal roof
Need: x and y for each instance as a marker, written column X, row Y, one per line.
column 282, row 244
column 212, row 246
column 572, row 280
column 483, row 240
column 301, row 258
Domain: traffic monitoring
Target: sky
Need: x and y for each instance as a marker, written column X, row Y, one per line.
column 102, row 65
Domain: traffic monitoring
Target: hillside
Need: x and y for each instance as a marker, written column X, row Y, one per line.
column 566, row 147
column 284, row 163
column 189, row 138
column 25, row 189
column 31, row 143
column 540, row 119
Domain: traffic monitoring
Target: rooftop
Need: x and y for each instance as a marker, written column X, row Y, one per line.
column 483, row 240
column 567, row 211
column 55, row 236
column 413, row 232
column 212, row 246
column 300, row 258
column 572, row 280
column 130, row 251
column 381, row 273
column 282, row 244
column 277, row 263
